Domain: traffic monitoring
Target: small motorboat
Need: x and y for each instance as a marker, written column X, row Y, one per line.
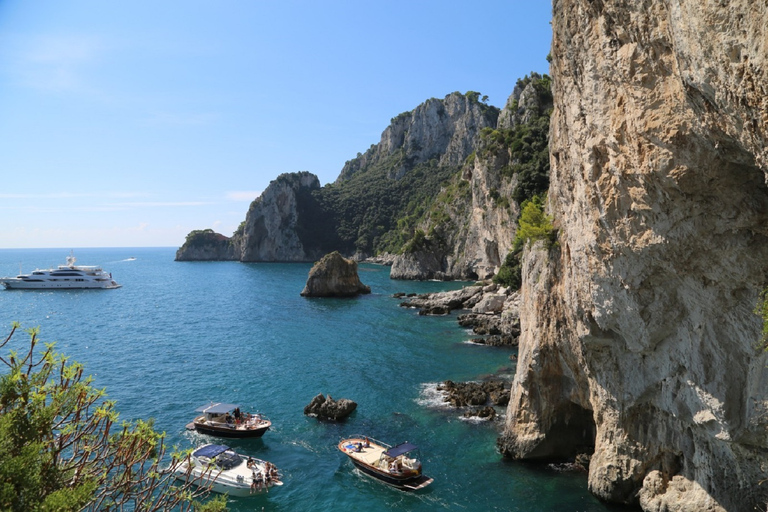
column 224, row 471
column 227, row 420
column 393, row 465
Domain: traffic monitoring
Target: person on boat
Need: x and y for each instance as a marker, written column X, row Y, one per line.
column 366, row 443
column 358, row 447
column 251, row 463
column 256, row 481
column 393, row 466
column 237, row 415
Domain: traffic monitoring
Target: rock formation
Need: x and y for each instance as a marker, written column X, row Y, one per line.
column 638, row 332
column 473, row 223
column 330, row 409
column 334, row 276
column 207, row 245
column 273, row 222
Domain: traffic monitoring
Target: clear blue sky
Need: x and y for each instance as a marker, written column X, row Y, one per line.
column 129, row 124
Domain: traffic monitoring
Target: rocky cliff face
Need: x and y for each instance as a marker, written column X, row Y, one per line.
column 638, row 332
column 273, row 224
column 445, row 130
column 473, row 222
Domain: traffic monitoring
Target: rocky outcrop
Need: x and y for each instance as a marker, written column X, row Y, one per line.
column 329, row 409
column 334, row 276
column 495, row 315
column 273, row 222
column 638, row 332
column 207, row 245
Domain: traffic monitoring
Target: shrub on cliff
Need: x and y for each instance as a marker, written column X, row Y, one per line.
column 61, row 447
column 534, row 224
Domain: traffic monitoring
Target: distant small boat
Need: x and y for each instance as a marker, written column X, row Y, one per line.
column 227, row 420
column 227, row 472
column 65, row 277
column 392, row 465
column 131, row 258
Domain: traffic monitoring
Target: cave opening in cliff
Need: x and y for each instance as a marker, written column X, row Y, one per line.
column 572, row 433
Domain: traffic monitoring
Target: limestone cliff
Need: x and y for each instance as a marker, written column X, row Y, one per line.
column 273, row 223
column 471, row 225
column 446, row 131
column 638, row 332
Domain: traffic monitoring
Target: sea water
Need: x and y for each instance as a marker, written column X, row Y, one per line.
column 178, row 335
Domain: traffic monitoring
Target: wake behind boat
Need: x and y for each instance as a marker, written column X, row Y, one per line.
column 390, row 464
column 227, row 472
column 227, row 420
column 64, row 277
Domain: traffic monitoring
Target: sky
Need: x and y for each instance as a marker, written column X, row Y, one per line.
column 130, row 124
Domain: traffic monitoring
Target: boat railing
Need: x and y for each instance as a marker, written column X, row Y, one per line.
column 372, row 440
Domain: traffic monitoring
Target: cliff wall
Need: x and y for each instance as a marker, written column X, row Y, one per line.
column 638, row 333
column 273, row 222
column 472, row 223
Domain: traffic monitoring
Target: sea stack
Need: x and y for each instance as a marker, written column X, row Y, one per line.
column 330, row 409
column 334, row 276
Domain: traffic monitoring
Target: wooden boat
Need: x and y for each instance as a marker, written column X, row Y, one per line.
column 219, row 468
column 227, row 420
column 392, row 465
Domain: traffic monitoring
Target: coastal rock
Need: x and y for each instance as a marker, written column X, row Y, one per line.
column 330, row 409
column 639, row 336
column 421, row 265
column 207, row 245
column 463, row 394
column 334, row 276
column 273, row 222
column 444, row 302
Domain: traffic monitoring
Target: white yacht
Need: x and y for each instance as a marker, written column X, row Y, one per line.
column 224, row 471
column 69, row 276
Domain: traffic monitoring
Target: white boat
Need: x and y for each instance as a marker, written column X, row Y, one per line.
column 65, row 277
column 227, row 472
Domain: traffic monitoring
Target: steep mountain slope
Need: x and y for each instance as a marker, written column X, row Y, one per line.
column 638, row 332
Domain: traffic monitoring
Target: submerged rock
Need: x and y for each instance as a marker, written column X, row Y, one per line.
column 334, row 276
column 330, row 409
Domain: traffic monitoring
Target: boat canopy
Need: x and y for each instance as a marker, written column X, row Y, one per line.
column 217, row 408
column 211, row 450
column 400, row 449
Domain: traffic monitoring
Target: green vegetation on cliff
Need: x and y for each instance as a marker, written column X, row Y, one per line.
column 204, row 237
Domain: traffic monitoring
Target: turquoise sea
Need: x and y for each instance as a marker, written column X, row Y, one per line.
column 179, row 335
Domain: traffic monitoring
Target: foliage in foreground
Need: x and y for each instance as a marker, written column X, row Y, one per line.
column 61, row 448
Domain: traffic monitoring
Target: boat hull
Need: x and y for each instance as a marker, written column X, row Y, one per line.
column 20, row 284
column 229, row 432
column 411, row 483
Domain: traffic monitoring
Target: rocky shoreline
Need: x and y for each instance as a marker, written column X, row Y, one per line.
column 492, row 313
column 490, row 310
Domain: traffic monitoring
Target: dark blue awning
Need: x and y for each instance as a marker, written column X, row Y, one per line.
column 400, row 449
column 217, row 408
column 211, row 450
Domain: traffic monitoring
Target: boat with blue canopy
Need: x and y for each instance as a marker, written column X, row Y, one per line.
column 398, row 466
column 228, row 420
